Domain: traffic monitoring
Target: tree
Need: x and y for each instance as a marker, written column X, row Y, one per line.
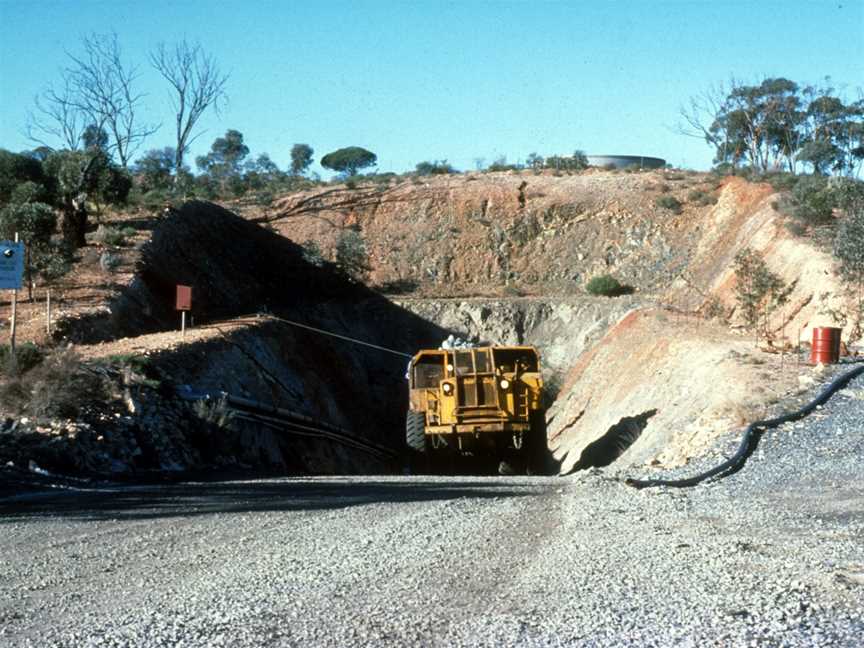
column 196, row 83
column 351, row 254
column 225, row 160
column 95, row 137
column 79, row 177
column 349, row 160
column 758, row 291
column 579, row 160
column 155, row 168
column 534, row 161
column 34, row 222
column 101, row 87
column 57, row 117
column 301, row 158
column 778, row 123
column 16, row 169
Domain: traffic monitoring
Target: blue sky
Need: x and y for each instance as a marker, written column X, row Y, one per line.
column 417, row 81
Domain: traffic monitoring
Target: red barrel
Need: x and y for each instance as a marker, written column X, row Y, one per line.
column 826, row 345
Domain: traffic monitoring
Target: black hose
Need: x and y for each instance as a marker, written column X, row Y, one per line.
column 751, row 439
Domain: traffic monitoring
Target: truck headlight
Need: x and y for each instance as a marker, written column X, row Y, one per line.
column 504, row 384
column 447, row 388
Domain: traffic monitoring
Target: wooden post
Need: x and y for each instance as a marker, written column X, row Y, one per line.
column 183, row 323
column 14, row 314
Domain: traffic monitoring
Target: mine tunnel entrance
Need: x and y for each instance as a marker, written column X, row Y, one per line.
column 615, row 442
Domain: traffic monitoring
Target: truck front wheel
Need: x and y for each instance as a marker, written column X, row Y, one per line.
column 415, row 439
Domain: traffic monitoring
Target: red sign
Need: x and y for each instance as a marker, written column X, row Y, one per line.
column 184, row 298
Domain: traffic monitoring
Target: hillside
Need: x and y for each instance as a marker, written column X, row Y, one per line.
column 498, row 257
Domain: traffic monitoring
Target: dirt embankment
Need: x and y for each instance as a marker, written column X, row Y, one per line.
column 506, row 234
column 239, row 270
column 673, row 382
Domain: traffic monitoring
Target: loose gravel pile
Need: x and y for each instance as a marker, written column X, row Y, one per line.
column 773, row 555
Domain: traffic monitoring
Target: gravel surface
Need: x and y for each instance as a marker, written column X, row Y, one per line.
column 773, row 555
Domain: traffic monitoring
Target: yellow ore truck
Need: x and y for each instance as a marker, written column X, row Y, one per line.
column 485, row 402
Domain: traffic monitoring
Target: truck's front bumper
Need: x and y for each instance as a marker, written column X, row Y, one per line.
column 478, row 428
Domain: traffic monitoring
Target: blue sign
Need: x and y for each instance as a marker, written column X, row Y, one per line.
column 11, row 265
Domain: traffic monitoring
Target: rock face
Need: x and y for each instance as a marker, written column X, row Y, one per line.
column 484, row 234
column 561, row 329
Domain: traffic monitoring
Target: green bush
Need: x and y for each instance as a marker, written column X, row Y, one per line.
column 813, row 200
column 154, row 199
column 111, row 236
column 59, row 386
column 608, row 286
column 758, row 291
column 436, row 167
column 701, row 197
column 669, row 202
column 109, row 262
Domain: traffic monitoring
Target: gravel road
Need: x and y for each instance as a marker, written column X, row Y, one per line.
column 773, row 556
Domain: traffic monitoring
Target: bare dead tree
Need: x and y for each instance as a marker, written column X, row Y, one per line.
column 102, row 88
column 700, row 113
column 55, row 118
column 196, row 83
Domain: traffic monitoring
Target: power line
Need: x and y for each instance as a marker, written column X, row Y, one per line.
column 341, row 337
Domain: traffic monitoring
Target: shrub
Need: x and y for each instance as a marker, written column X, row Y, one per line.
column 500, row 164
column 758, row 291
column 398, row 287
column 813, row 200
column 351, row 254
column 701, row 197
column 312, row 253
column 608, row 286
column 59, row 385
column 111, row 236
column 714, row 309
column 436, row 167
column 669, row 202
column 109, row 262
column 264, row 198
column 782, row 181
column 27, row 356
column 155, row 199
column 849, row 250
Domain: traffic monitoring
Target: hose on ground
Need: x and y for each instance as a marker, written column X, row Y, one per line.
column 751, row 437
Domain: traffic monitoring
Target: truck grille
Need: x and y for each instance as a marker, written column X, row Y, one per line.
column 478, row 391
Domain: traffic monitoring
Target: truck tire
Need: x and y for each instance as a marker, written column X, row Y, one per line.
column 415, row 441
column 415, row 435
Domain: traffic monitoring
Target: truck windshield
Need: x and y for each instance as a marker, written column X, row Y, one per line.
column 464, row 363
column 508, row 360
column 428, row 372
